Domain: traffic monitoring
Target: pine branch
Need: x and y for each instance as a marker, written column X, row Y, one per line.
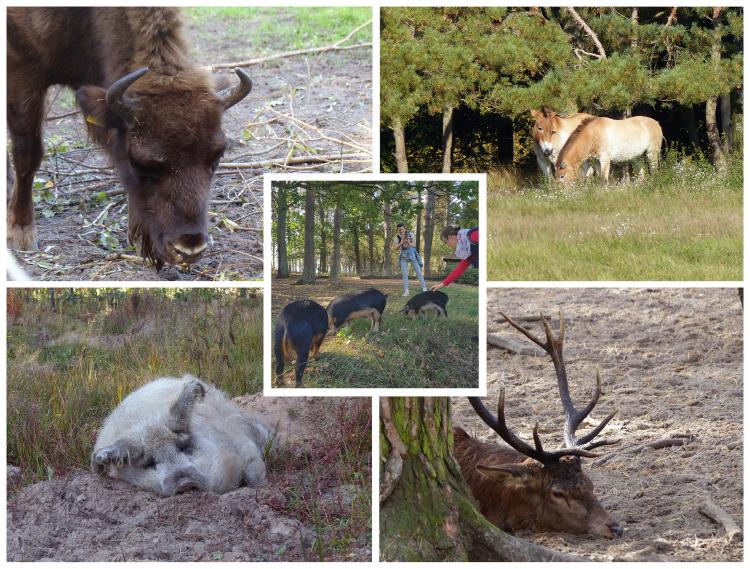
column 584, row 26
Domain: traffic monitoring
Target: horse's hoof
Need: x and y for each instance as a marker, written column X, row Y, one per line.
column 22, row 237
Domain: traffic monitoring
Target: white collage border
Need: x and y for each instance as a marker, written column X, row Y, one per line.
column 265, row 284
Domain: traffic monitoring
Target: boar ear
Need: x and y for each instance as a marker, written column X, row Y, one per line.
column 99, row 119
column 510, row 474
column 119, row 453
column 182, row 409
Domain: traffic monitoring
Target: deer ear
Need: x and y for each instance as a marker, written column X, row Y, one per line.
column 506, row 473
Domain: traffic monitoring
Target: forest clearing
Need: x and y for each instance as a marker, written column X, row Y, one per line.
column 336, row 238
column 74, row 354
column 679, row 66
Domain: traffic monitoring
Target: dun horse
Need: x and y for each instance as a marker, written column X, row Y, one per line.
column 609, row 141
column 550, row 132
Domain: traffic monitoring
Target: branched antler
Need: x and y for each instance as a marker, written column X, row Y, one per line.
column 573, row 417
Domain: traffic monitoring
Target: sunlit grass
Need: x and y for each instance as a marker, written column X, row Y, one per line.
column 683, row 223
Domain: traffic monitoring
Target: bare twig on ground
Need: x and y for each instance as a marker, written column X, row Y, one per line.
column 523, row 348
column 709, row 509
column 655, row 444
column 336, row 46
column 298, row 160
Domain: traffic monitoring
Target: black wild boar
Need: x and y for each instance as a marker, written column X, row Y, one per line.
column 369, row 303
column 424, row 301
column 300, row 328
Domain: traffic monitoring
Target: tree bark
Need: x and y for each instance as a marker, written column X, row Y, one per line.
column 387, row 258
column 717, row 151
column 308, row 268
column 429, row 214
column 725, row 105
column 323, row 250
column 427, row 512
column 357, row 256
column 282, row 207
column 447, row 138
column 419, row 217
column 371, row 247
column 402, row 165
column 336, row 256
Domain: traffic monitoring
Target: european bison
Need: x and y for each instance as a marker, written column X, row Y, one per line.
column 155, row 112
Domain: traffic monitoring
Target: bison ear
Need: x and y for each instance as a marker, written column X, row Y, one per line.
column 509, row 474
column 119, row 453
column 99, row 119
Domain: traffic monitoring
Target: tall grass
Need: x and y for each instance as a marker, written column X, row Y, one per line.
column 68, row 369
column 682, row 223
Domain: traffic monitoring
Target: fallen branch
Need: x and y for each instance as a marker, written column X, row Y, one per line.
column 714, row 512
column 516, row 346
column 655, row 444
column 295, row 53
column 297, row 160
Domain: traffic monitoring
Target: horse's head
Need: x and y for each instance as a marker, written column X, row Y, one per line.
column 546, row 131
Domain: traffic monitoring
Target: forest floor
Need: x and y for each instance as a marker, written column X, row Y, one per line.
column 683, row 223
column 299, row 106
column 429, row 353
column 68, row 370
column 671, row 362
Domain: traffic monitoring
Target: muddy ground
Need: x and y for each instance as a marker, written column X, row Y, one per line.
column 302, row 106
column 671, row 362
column 82, row 517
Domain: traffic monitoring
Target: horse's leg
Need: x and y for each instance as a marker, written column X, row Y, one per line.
column 653, row 158
column 544, row 165
column 587, row 169
column 604, row 167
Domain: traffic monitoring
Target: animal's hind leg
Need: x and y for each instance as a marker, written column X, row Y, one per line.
column 182, row 409
column 25, row 125
column 375, row 316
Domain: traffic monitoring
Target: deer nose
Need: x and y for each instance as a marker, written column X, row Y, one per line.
column 190, row 245
column 615, row 528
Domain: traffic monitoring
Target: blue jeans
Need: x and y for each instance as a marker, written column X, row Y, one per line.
column 406, row 257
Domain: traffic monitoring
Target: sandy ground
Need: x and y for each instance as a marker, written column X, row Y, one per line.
column 82, row 517
column 82, row 214
column 671, row 361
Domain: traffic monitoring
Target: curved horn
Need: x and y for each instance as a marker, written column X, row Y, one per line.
column 233, row 95
column 114, row 97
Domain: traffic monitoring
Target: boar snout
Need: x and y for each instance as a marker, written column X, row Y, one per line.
column 184, row 480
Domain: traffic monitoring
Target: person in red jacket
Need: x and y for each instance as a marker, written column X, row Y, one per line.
column 465, row 242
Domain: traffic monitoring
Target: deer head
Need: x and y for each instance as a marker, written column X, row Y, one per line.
column 546, row 490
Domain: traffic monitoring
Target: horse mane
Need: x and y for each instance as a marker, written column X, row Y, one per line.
column 575, row 134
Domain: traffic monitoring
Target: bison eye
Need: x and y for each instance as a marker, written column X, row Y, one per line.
column 150, row 462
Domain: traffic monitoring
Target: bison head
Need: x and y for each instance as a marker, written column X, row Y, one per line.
column 164, row 136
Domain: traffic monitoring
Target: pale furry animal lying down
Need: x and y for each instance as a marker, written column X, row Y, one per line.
column 174, row 435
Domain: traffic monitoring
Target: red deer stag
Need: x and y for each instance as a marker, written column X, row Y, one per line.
column 525, row 486
column 155, row 112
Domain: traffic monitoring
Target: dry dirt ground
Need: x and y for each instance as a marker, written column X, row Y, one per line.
column 299, row 106
column 82, row 517
column 671, row 361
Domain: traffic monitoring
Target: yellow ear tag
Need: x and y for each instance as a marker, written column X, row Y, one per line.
column 91, row 119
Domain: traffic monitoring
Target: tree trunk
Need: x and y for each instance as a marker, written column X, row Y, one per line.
column 712, row 129
column 725, row 104
column 447, row 138
column 427, row 512
column 371, row 247
column 387, row 258
column 336, row 256
column 357, row 257
column 323, row 250
column 282, row 207
column 429, row 211
column 402, row 166
column 692, row 125
column 308, row 268
column 419, row 217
